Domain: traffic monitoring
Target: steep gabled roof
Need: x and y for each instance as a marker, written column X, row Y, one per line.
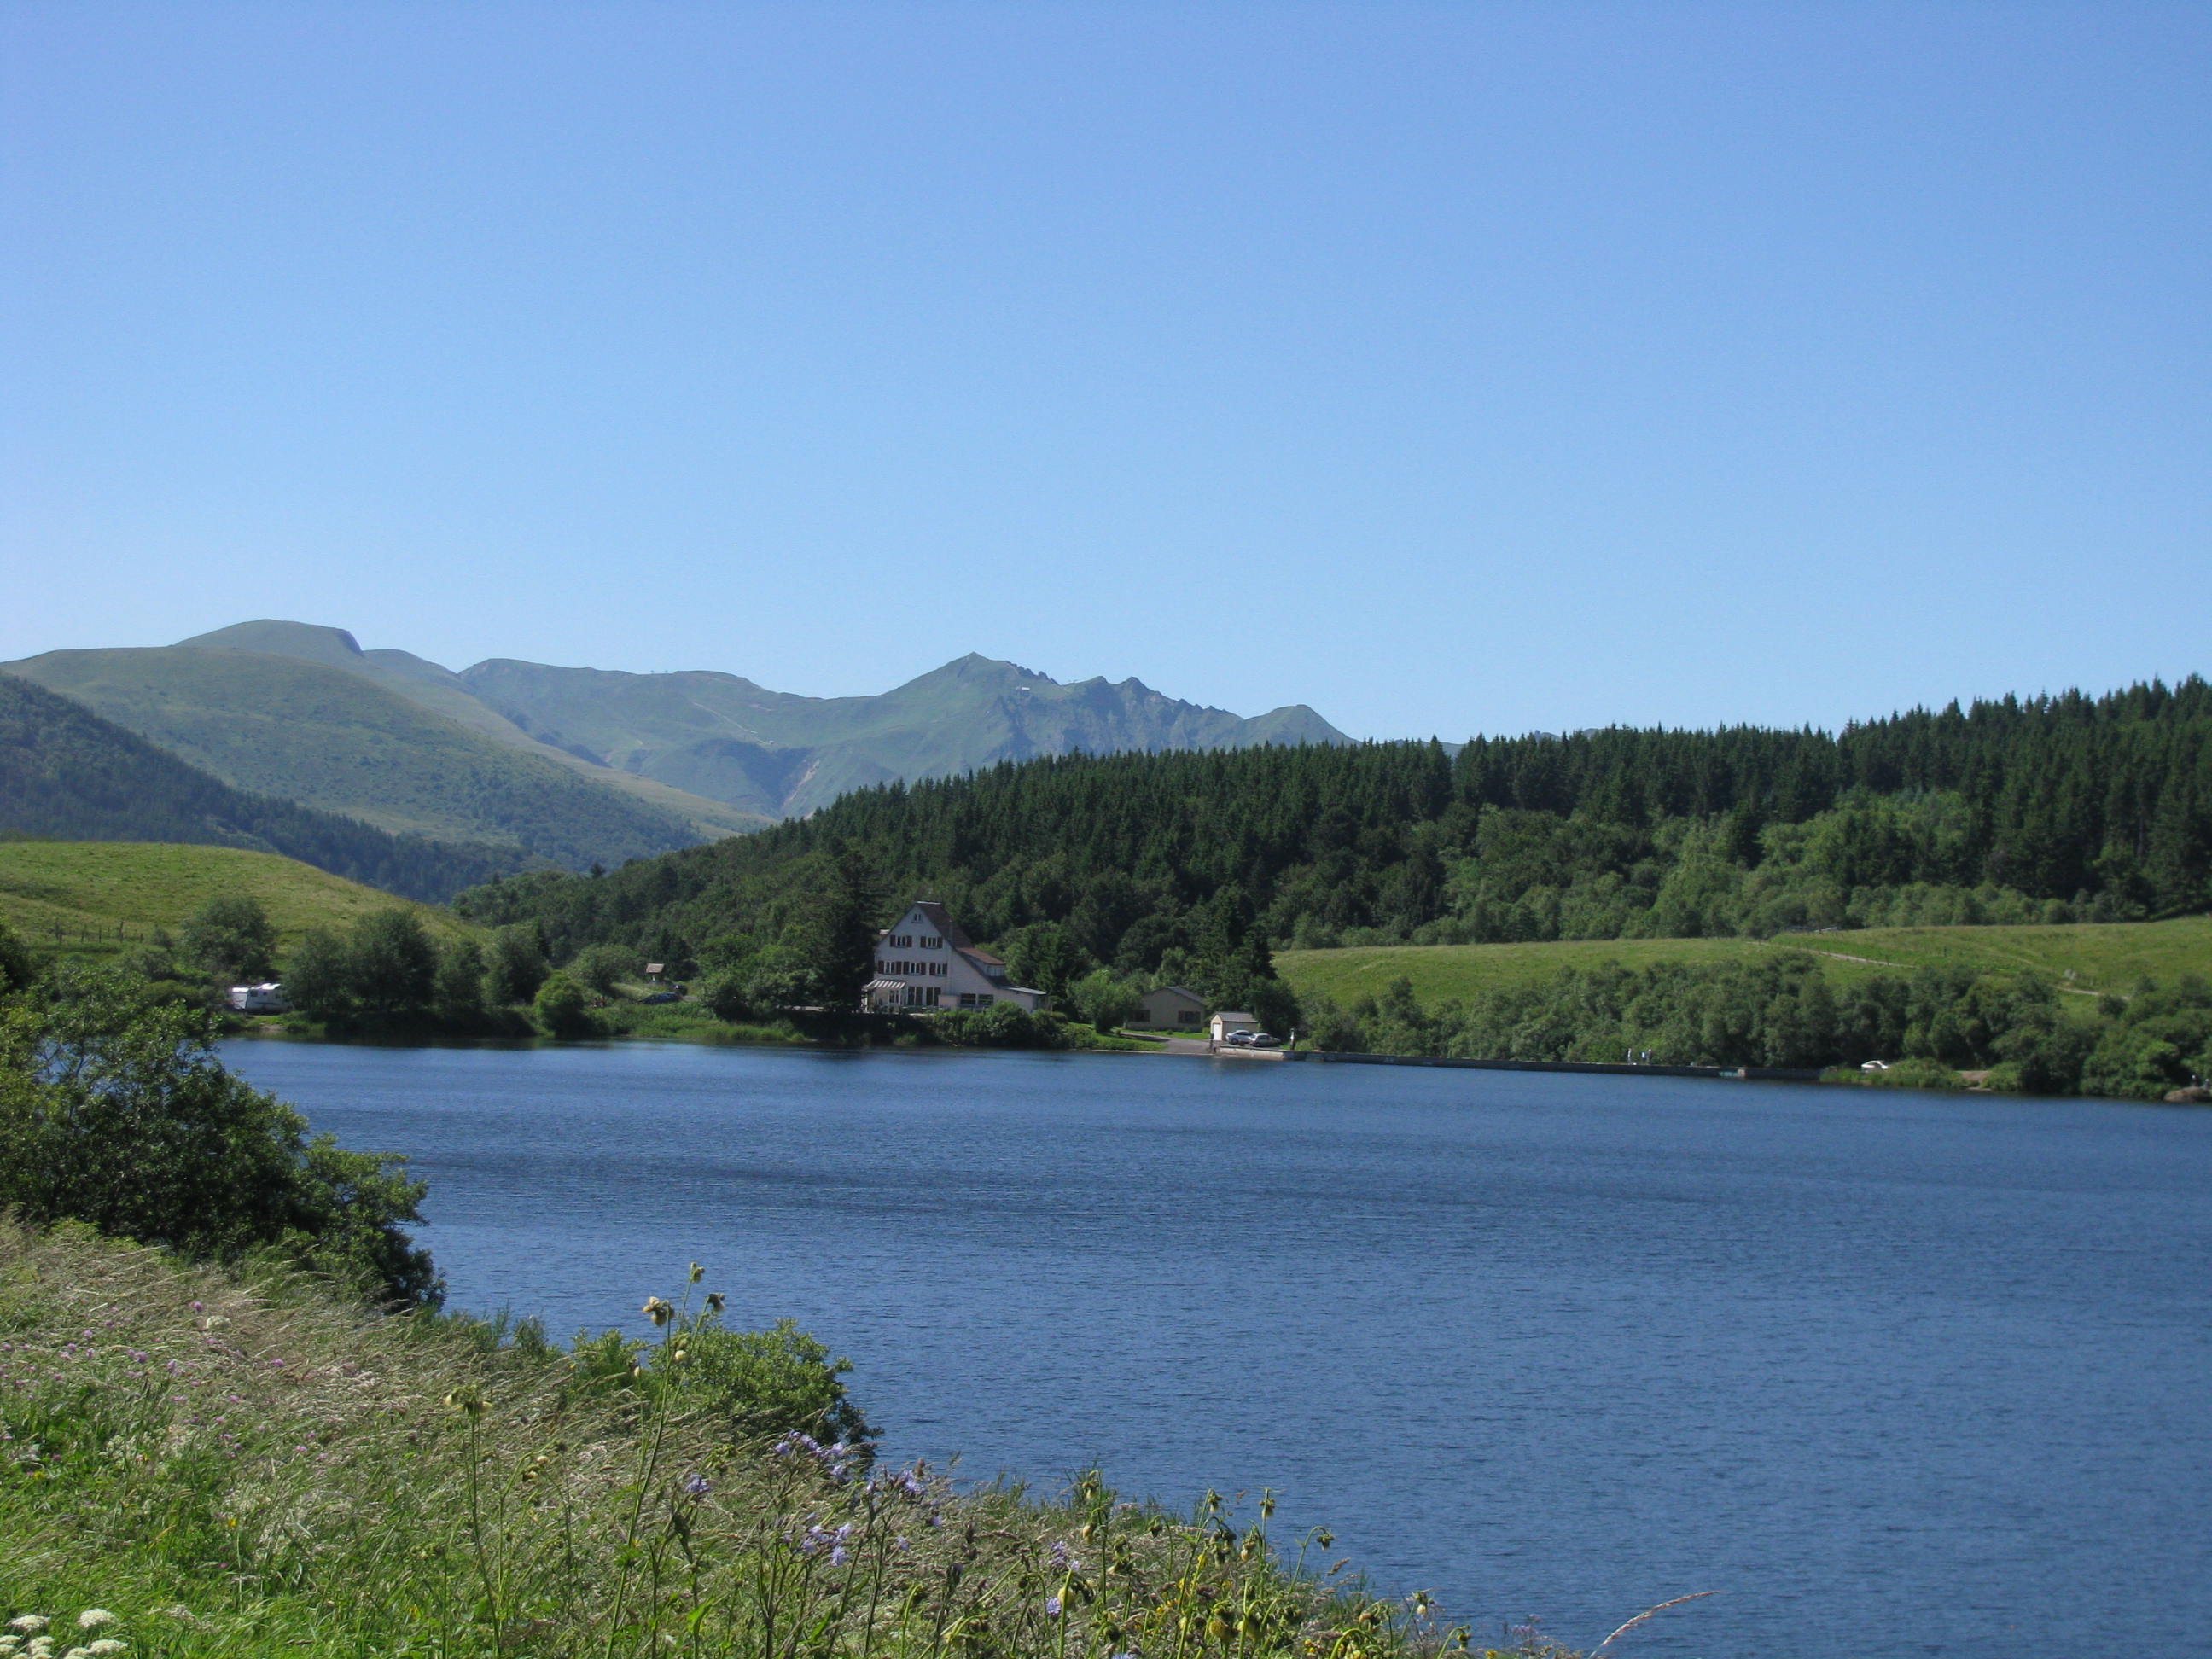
column 983, row 956
column 943, row 923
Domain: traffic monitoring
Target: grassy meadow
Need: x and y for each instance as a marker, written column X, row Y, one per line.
column 2098, row 957
column 210, row 1465
column 113, row 892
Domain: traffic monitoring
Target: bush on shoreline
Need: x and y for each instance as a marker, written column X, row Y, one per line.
column 238, row 1466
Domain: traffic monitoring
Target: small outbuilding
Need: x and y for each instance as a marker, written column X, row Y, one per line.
column 265, row 998
column 1223, row 1023
column 1172, row 1006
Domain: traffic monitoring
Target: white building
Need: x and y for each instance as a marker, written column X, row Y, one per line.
column 267, row 999
column 924, row 962
column 1173, row 1005
column 1223, row 1023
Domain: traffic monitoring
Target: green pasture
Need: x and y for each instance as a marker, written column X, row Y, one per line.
column 79, row 895
column 2084, row 956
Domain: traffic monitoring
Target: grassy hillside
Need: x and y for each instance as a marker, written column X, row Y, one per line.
column 2108, row 956
column 99, row 889
column 66, row 774
column 442, row 691
column 334, row 740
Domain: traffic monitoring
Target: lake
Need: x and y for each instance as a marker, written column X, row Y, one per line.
column 1892, row 1371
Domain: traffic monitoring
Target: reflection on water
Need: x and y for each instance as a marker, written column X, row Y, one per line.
column 1895, row 1373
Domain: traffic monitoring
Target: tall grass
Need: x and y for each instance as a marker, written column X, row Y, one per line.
column 235, row 1465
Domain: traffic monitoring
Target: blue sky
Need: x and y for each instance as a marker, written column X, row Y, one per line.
column 1449, row 368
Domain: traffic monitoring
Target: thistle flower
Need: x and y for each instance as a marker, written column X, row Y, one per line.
column 715, row 1302
column 657, row 1311
column 698, row 1273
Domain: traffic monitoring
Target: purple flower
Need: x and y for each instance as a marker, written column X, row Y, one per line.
column 1052, row 1607
column 697, row 1485
column 840, row 1556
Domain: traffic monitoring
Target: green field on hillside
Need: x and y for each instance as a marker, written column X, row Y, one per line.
column 2109, row 956
column 118, row 891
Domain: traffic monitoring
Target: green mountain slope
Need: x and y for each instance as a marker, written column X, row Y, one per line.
column 723, row 736
column 71, row 892
column 285, row 726
column 443, row 692
column 66, row 773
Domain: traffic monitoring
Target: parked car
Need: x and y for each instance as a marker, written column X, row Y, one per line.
column 1251, row 1040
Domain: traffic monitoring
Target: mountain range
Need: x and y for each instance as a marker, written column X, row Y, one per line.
column 580, row 765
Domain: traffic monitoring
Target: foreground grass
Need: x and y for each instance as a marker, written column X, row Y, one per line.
column 239, row 1466
column 2089, row 956
column 118, row 891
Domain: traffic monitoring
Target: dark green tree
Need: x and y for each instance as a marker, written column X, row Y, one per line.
column 835, row 932
column 458, row 993
column 230, row 937
column 319, row 978
column 518, row 965
column 392, row 963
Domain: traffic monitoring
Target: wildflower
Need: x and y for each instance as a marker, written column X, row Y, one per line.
column 697, row 1485
column 715, row 1302
column 29, row 1624
column 95, row 1619
column 1063, row 1559
column 461, row 1400
column 697, row 1273
column 657, row 1311
column 78, row 1653
column 1052, row 1607
column 840, row 1556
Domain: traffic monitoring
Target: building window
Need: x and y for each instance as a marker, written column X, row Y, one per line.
column 1187, row 1017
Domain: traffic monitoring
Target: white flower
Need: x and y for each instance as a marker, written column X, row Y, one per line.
column 93, row 1618
column 78, row 1653
column 42, row 1647
column 29, row 1624
column 105, row 1645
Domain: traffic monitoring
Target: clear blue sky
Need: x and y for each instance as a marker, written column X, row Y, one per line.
column 1451, row 367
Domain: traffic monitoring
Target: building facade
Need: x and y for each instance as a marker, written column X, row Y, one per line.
column 925, row 963
column 1174, row 1007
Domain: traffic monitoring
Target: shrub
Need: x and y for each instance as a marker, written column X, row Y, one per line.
column 562, row 1008
column 115, row 1112
column 755, row 1385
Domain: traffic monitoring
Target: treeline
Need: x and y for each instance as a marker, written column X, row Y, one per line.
column 2050, row 809
column 2020, row 1031
column 67, row 774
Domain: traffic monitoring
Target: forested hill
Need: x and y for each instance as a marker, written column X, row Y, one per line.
column 67, row 774
column 2066, row 808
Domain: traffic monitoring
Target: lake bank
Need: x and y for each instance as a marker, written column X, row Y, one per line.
column 1831, row 1350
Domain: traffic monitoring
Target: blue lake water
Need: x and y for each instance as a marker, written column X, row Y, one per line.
column 1894, row 1372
